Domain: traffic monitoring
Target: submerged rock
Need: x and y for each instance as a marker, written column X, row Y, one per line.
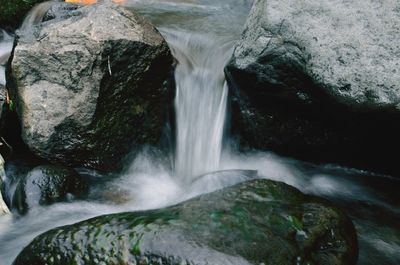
column 45, row 185
column 320, row 80
column 256, row 222
column 89, row 84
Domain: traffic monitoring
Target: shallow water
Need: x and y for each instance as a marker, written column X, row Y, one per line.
column 198, row 28
column 150, row 183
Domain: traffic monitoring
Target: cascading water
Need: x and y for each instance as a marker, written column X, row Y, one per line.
column 200, row 103
column 202, row 49
column 201, row 34
column 35, row 16
column 6, row 43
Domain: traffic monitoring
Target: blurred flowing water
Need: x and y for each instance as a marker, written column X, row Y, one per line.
column 200, row 102
column 6, row 43
column 201, row 34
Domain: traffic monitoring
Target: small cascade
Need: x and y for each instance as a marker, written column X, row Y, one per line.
column 35, row 16
column 201, row 34
column 200, row 103
column 6, row 44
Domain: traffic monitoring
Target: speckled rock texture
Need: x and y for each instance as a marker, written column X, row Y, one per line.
column 320, row 80
column 256, row 222
column 90, row 84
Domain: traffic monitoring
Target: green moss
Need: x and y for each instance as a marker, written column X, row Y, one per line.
column 296, row 223
column 138, row 110
column 226, row 221
column 136, row 249
column 11, row 105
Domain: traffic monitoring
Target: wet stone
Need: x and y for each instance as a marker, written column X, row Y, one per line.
column 47, row 184
column 224, row 227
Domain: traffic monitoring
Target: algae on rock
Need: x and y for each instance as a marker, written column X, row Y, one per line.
column 256, row 222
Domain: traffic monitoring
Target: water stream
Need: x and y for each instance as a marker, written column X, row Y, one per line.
column 200, row 103
column 201, row 34
column 6, row 43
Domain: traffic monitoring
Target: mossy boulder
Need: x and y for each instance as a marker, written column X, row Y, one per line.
column 45, row 185
column 256, row 222
column 13, row 12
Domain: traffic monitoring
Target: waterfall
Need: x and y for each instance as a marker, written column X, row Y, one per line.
column 6, row 44
column 200, row 102
column 35, row 16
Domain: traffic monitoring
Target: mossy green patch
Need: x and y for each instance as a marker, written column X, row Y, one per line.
column 223, row 227
column 295, row 222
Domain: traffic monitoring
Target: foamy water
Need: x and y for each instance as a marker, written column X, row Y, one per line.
column 6, row 44
column 201, row 34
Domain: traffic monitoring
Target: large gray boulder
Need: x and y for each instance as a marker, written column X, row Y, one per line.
column 89, row 83
column 256, row 222
column 320, row 80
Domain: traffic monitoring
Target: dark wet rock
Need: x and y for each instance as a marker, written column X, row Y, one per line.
column 45, row 185
column 308, row 83
column 3, row 93
column 90, row 84
column 13, row 12
column 256, row 222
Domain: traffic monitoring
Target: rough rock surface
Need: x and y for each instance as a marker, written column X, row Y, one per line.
column 45, row 185
column 320, row 79
column 89, row 84
column 350, row 48
column 256, row 222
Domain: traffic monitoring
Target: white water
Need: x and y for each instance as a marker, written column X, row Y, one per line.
column 35, row 16
column 200, row 103
column 6, row 43
column 201, row 38
column 150, row 183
